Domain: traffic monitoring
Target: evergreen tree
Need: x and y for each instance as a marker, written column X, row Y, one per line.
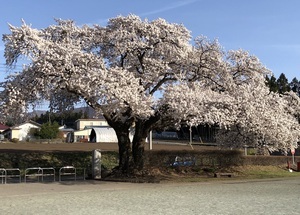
column 295, row 86
column 272, row 83
column 283, row 84
column 67, row 118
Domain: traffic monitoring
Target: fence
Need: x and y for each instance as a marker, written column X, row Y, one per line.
column 3, row 175
column 39, row 174
column 67, row 171
column 13, row 173
column 36, row 172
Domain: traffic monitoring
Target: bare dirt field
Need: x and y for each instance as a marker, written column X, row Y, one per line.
column 65, row 147
column 257, row 197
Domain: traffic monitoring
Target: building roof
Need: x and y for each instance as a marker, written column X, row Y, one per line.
column 65, row 128
column 96, row 126
column 103, row 134
column 3, row 127
column 95, row 120
column 30, row 121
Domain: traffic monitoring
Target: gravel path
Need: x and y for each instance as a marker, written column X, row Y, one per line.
column 281, row 196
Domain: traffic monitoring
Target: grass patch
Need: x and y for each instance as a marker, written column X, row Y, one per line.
column 240, row 173
column 261, row 172
column 110, row 160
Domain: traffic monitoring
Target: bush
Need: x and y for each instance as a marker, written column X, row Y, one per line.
column 15, row 140
column 266, row 160
column 214, row 158
column 48, row 131
column 221, row 158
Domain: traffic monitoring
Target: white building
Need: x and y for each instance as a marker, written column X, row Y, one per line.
column 103, row 134
column 22, row 132
column 84, row 128
column 82, row 123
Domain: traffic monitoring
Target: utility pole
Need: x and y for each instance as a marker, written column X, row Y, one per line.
column 150, row 140
column 191, row 138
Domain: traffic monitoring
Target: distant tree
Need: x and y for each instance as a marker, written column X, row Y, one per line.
column 283, row 84
column 48, row 131
column 295, row 86
column 9, row 123
column 67, row 118
column 272, row 83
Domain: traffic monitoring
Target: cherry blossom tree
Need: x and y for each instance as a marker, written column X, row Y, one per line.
column 241, row 104
column 116, row 69
column 138, row 73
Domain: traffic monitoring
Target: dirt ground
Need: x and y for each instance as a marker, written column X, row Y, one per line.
column 65, row 147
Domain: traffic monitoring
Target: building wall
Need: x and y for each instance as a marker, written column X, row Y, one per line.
column 24, row 131
column 15, row 134
column 81, row 123
column 82, row 135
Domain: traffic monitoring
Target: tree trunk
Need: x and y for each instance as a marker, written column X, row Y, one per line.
column 131, row 157
column 122, row 131
column 138, row 144
column 124, row 150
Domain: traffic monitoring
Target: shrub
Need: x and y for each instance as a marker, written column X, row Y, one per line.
column 15, row 140
column 48, row 130
column 220, row 158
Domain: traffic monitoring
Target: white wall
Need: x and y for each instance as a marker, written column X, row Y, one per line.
column 24, row 131
column 81, row 123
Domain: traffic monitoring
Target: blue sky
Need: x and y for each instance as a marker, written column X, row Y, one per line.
column 269, row 29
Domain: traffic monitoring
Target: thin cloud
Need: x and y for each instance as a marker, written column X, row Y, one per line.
column 172, row 6
column 169, row 7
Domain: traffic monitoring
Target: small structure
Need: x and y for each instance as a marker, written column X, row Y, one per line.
column 94, row 130
column 22, row 132
column 83, row 129
column 65, row 131
column 82, row 123
column 80, row 136
column 103, row 134
column 3, row 128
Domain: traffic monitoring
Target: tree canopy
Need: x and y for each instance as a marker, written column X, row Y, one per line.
column 48, row 130
column 140, row 73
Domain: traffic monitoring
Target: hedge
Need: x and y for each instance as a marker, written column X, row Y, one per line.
column 207, row 158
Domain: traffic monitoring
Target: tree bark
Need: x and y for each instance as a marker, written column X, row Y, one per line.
column 138, row 144
column 122, row 131
column 124, row 150
column 142, row 128
column 131, row 156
